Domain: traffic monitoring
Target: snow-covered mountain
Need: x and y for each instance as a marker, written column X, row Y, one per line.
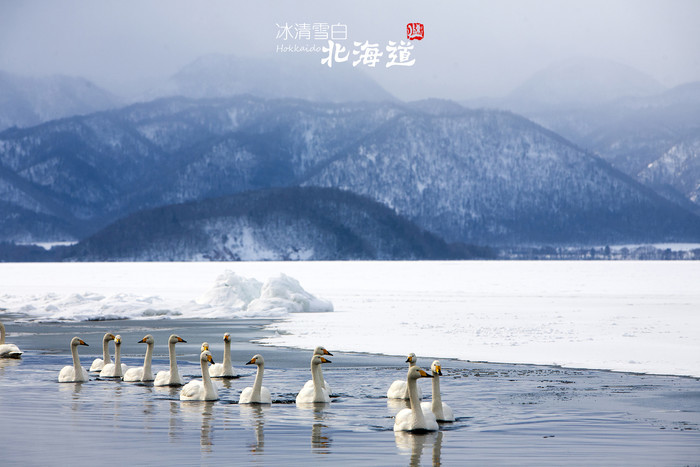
column 217, row 76
column 27, row 101
column 275, row 224
column 677, row 169
column 467, row 176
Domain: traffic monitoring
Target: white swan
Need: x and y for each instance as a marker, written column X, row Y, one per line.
column 320, row 350
column 8, row 350
column 315, row 392
column 203, row 390
column 142, row 373
column 442, row 411
column 204, row 347
column 415, row 418
column 99, row 363
column 116, row 369
column 257, row 394
column 224, row 370
column 74, row 373
column 399, row 388
column 170, row 377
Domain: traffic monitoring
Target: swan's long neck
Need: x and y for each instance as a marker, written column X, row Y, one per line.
column 317, row 378
column 117, row 359
column 76, row 360
column 227, row 356
column 173, row 362
column 437, row 399
column 2, row 333
column 147, row 361
column 105, row 352
column 206, row 379
column 415, row 401
column 257, row 385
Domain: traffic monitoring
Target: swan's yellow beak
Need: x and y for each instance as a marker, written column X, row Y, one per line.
column 409, row 359
column 205, row 346
column 180, row 339
column 142, row 341
column 424, row 374
column 82, row 342
column 209, row 359
column 325, row 360
column 438, row 370
column 117, row 341
column 251, row 362
column 325, row 352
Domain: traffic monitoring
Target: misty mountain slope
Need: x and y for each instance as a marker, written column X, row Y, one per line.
column 496, row 177
column 470, row 176
column 277, row 224
column 217, row 76
column 26, row 101
column 678, row 169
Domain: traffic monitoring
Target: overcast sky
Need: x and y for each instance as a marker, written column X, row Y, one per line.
column 471, row 48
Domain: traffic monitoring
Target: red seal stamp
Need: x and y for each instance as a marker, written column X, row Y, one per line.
column 415, row 31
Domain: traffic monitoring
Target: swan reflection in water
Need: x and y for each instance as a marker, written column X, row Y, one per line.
column 414, row 444
column 320, row 443
column 255, row 414
column 204, row 410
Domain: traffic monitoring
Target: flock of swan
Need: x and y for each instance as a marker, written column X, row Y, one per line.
column 419, row 416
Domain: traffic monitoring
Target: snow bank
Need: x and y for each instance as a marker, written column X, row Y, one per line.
column 285, row 294
column 231, row 290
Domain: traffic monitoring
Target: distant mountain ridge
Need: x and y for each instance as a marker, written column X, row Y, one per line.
column 467, row 176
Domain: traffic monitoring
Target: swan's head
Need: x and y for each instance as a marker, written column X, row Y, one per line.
column 148, row 339
column 205, row 346
column 411, row 358
column 175, row 339
column 227, row 337
column 206, row 357
column 318, row 359
column 76, row 341
column 108, row 337
column 256, row 360
column 117, row 340
column 416, row 372
column 436, row 368
column 320, row 350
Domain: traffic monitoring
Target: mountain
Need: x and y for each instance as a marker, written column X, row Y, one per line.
column 467, row 176
column 677, row 170
column 28, row 101
column 217, row 76
column 276, row 224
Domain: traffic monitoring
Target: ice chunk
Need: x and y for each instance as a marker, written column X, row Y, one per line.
column 284, row 294
column 231, row 290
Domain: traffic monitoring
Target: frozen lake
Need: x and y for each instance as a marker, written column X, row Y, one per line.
column 628, row 316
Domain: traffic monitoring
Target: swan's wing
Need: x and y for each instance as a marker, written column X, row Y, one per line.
column 97, row 365
column 133, row 374
column 194, row 390
column 447, row 414
column 162, row 378
column 404, row 420
column 265, row 397
column 246, row 395
column 10, row 351
column 398, row 390
column 66, row 375
column 108, row 371
column 216, row 370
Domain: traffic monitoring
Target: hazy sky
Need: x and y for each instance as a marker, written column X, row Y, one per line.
column 471, row 48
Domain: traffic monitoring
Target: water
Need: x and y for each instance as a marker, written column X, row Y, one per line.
column 506, row 414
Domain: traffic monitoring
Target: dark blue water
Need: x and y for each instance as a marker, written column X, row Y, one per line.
column 507, row 414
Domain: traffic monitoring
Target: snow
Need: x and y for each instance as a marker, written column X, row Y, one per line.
column 637, row 316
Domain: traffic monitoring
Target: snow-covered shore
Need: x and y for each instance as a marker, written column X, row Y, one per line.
column 623, row 316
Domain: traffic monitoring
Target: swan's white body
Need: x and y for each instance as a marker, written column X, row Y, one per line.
column 116, row 369
column 224, row 370
column 7, row 350
column 142, row 373
column 310, row 383
column 170, row 377
column 203, row 390
column 415, row 418
column 442, row 411
column 74, row 373
column 315, row 392
column 99, row 363
column 256, row 394
column 399, row 388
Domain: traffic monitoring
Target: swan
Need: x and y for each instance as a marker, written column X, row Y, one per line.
column 8, row 350
column 224, row 370
column 203, row 390
column 315, row 392
column 257, row 394
column 170, row 377
column 320, row 350
column 415, row 418
column 74, row 373
column 205, row 346
column 116, row 369
column 442, row 411
column 142, row 373
column 99, row 363
column 399, row 388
